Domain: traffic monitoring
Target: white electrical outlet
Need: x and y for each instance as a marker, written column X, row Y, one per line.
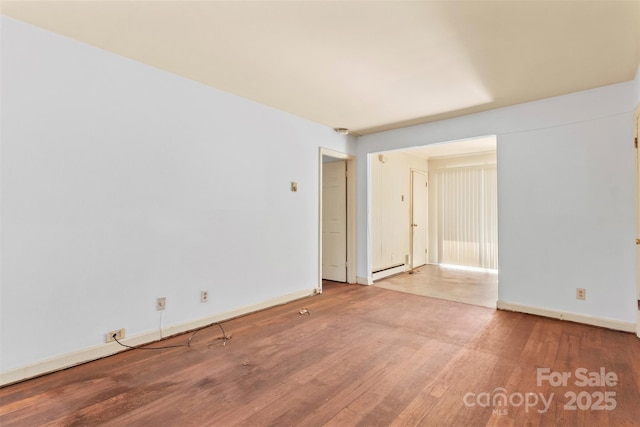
column 161, row 303
column 113, row 335
column 581, row 293
column 204, row 296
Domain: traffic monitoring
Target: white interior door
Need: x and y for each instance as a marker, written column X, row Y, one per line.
column 334, row 221
column 637, row 133
column 419, row 198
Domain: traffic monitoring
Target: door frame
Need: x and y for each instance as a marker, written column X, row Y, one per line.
column 412, row 221
column 334, row 205
column 636, row 134
column 350, row 162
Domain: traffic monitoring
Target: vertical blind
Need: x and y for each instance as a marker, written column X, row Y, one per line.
column 468, row 216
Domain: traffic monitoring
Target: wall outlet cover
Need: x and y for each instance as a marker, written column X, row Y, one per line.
column 118, row 333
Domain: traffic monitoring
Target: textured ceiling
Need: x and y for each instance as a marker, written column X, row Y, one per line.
column 365, row 65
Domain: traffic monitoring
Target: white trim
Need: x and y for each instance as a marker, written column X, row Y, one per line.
column 351, row 213
column 636, row 134
column 603, row 322
column 364, row 280
column 390, row 272
column 103, row 350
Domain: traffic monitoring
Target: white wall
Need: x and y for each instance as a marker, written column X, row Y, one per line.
column 637, row 86
column 391, row 208
column 565, row 197
column 122, row 183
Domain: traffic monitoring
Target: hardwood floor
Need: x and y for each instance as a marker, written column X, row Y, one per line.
column 469, row 287
column 363, row 356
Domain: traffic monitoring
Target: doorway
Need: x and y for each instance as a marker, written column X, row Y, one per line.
column 337, row 217
column 334, row 220
column 412, row 192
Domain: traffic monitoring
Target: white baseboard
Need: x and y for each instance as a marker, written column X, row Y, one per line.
column 390, row 272
column 107, row 349
column 603, row 322
column 364, row 280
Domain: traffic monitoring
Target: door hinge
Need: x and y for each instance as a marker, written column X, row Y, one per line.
column 636, row 142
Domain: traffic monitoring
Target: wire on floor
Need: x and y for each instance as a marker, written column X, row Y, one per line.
column 224, row 337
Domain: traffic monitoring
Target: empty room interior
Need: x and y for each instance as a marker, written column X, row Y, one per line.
column 319, row 213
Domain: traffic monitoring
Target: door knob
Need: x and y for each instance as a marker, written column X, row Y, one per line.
column 637, row 241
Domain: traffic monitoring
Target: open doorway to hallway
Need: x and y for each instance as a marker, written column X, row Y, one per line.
column 440, row 241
